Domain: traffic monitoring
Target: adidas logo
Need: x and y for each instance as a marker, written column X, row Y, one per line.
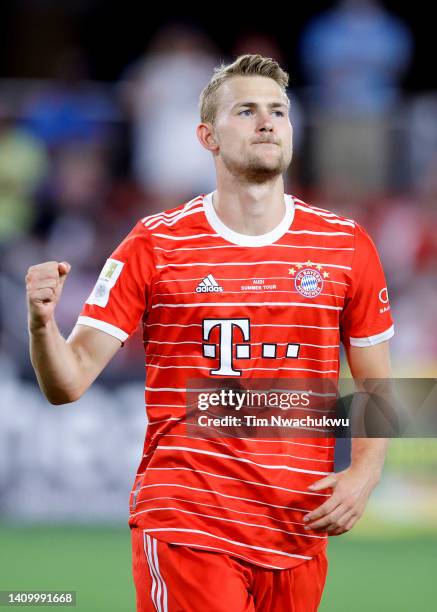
column 208, row 285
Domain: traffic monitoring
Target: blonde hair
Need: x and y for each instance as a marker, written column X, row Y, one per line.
column 244, row 65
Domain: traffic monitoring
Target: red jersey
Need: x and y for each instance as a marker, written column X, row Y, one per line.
column 216, row 303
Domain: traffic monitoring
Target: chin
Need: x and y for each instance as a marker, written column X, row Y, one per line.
column 261, row 174
column 257, row 168
column 263, row 166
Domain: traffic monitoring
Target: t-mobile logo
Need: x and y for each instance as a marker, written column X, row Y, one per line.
column 228, row 329
column 231, row 331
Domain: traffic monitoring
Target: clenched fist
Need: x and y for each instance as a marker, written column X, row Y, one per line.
column 44, row 283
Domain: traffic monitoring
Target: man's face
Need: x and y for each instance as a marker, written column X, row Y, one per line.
column 252, row 128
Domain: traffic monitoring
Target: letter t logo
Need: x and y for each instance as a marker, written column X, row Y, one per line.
column 227, row 327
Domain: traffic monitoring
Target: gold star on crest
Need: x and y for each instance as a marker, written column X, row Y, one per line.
column 299, row 266
column 319, row 267
column 309, row 263
column 291, row 271
column 325, row 274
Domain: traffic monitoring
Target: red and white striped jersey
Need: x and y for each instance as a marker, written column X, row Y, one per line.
column 216, row 303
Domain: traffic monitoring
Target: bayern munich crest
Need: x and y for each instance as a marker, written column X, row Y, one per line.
column 308, row 280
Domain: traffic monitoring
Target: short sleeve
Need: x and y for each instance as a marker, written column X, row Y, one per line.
column 121, row 294
column 366, row 319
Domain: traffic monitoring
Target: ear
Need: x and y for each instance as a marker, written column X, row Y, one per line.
column 205, row 134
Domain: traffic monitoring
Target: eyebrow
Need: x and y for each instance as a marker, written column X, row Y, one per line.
column 251, row 104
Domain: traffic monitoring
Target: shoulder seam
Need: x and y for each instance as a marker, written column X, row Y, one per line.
column 170, row 215
column 325, row 214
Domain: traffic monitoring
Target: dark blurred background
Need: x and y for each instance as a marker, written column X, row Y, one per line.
column 98, row 109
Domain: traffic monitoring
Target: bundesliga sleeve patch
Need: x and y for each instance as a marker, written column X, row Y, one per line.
column 99, row 296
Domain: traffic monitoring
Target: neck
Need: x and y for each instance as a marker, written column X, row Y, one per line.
column 249, row 208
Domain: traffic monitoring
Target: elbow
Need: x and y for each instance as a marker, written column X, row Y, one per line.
column 55, row 401
column 59, row 399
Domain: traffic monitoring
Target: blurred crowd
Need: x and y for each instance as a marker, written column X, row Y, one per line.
column 81, row 162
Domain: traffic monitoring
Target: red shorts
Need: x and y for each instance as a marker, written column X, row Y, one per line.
column 174, row 578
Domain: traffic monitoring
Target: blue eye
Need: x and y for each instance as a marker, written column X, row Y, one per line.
column 248, row 110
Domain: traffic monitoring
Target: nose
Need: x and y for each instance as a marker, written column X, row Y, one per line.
column 265, row 123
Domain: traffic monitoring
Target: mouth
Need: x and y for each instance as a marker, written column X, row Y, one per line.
column 267, row 143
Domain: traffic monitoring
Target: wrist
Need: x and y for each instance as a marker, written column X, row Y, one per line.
column 372, row 474
column 40, row 327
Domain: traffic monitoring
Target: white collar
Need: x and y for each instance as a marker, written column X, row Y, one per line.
column 244, row 239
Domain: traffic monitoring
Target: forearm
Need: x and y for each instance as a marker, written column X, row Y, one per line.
column 371, row 364
column 368, row 456
column 56, row 365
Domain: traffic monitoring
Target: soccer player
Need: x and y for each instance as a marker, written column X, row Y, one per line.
column 245, row 282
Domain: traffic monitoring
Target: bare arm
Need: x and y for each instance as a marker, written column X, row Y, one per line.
column 369, row 361
column 368, row 454
column 64, row 368
column 353, row 486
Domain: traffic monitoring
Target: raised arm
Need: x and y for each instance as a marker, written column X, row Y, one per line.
column 64, row 368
